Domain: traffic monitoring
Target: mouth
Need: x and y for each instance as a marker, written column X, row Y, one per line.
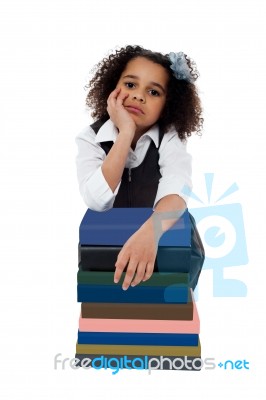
column 134, row 109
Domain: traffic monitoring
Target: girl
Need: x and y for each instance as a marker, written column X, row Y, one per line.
column 145, row 105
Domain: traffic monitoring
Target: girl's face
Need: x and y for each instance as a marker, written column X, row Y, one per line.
column 146, row 84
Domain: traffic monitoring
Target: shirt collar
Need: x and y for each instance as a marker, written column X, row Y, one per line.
column 108, row 132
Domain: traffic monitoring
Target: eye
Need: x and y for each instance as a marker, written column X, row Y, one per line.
column 154, row 92
column 129, row 85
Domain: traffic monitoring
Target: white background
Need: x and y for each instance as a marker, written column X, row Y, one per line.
column 47, row 51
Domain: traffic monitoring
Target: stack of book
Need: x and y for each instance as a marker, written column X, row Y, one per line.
column 154, row 325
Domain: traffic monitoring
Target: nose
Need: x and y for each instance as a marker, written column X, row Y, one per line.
column 139, row 97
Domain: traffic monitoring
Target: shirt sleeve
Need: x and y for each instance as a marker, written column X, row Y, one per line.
column 175, row 167
column 93, row 187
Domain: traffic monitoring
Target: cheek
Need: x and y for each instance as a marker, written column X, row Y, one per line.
column 122, row 87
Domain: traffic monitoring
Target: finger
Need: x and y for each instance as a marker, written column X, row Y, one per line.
column 120, row 99
column 132, row 266
column 122, row 96
column 120, row 265
column 140, row 274
column 115, row 92
column 111, row 104
column 113, row 95
column 149, row 271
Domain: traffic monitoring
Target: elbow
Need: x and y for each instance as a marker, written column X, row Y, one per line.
column 93, row 203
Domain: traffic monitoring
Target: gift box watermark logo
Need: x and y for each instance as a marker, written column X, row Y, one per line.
column 221, row 227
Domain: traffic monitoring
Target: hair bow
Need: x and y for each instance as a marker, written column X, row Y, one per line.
column 181, row 69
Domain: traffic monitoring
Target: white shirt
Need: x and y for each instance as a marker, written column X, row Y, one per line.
column 174, row 163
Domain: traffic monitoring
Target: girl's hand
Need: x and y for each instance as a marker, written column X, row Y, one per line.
column 117, row 112
column 139, row 252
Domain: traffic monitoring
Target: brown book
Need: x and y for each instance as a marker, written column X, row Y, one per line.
column 138, row 310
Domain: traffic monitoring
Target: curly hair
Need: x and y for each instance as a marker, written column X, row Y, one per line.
column 182, row 108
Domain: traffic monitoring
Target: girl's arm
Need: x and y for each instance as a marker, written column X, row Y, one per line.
column 114, row 164
column 140, row 250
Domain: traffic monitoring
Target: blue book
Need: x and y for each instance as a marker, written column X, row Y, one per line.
column 115, row 226
column 175, row 294
column 142, row 339
column 103, row 258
